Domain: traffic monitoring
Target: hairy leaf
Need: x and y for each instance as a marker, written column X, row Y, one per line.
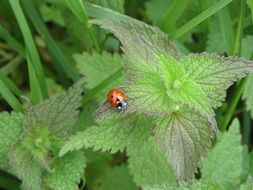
column 215, row 73
column 141, row 43
column 217, row 168
column 114, row 133
column 196, row 185
column 68, row 171
column 10, row 132
column 148, row 95
column 184, row 138
column 115, row 178
column 189, row 93
column 37, row 142
column 248, row 94
column 148, row 165
column 98, row 67
column 25, row 167
column 59, row 113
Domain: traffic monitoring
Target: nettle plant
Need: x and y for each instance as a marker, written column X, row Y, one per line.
column 166, row 130
column 169, row 123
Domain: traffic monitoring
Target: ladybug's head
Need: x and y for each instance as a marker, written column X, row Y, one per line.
column 121, row 104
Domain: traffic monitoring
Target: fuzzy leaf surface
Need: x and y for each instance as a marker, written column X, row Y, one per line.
column 217, row 168
column 148, row 165
column 195, row 185
column 25, row 167
column 59, row 113
column 184, row 138
column 68, row 170
column 98, row 67
column 215, row 73
column 10, row 131
column 141, row 43
column 114, row 133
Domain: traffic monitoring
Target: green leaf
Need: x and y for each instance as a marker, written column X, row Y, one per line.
column 147, row 94
column 117, row 5
column 52, row 14
column 115, row 178
column 148, row 165
column 189, row 93
column 37, row 142
column 25, row 167
column 96, row 68
column 59, row 113
column 10, row 132
column 114, row 133
column 214, row 73
column 184, row 138
column 248, row 94
column 68, row 171
column 195, row 185
column 248, row 185
column 141, row 44
column 217, row 163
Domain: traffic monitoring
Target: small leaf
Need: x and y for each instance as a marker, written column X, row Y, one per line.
column 98, row 67
column 184, row 138
column 141, row 43
column 10, row 132
column 115, row 178
column 37, row 142
column 189, row 93
column 215, row 73
column 248, row 94
column 68, row 171
column 147, row 95
column 25, row 167
column 59, row 113
column 148, row 166
column 114, row 133
column 224, row 163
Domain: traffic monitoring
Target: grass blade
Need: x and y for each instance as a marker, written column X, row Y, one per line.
column 226, row 26
column 198, row 19
column 11, row 85
column 78, row 8
column 32, row 56
column 10, row 98
column 4, row 34
column 239, row 89
column 174, row 11
column 59, row 57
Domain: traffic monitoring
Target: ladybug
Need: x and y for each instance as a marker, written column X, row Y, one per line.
column 117, row 98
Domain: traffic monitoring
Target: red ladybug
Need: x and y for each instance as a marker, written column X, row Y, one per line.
column 117, row 98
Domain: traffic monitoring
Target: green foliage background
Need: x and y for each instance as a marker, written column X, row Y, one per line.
column 184, row 66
